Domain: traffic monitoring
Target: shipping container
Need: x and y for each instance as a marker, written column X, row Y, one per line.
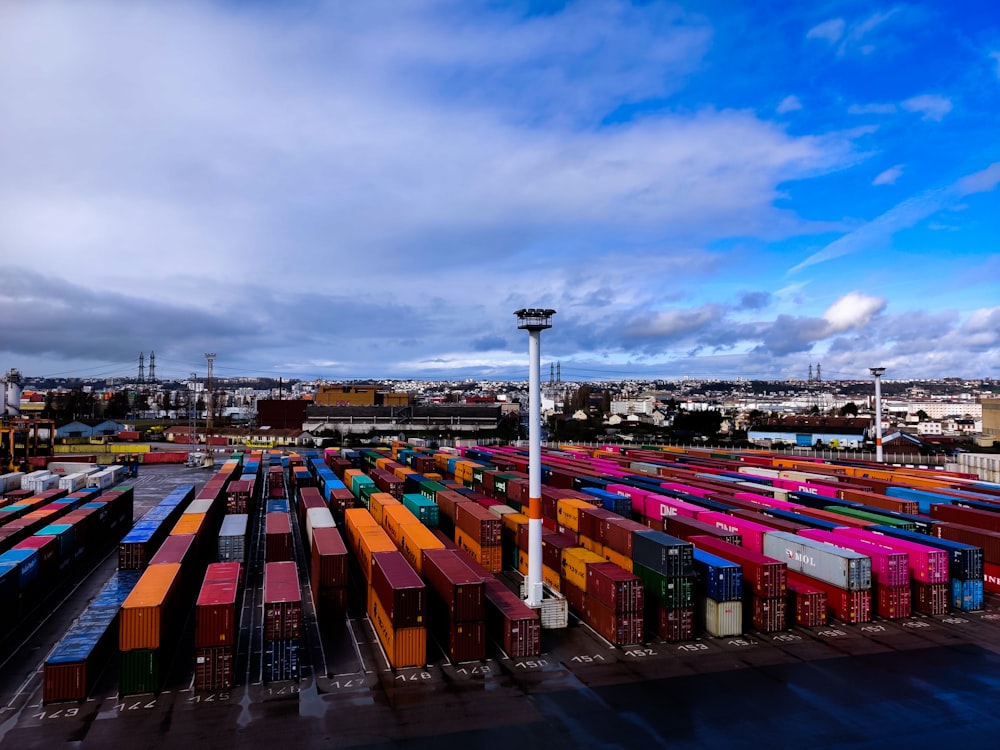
column 764, row 576
column 277, row 537
column 618, row 628
column 282, row 601
column 888, row 568
column 674, row 625
column 150, row 612
column 847, row 606
column 617, row 589
column 967, row 596
column 404, row 647
column 449, row 579
column 216, row 610
column 840, row 567
column 930, row 598
column 399, row 588
column 722, row 618
column 665, row 554
column 213, row 668
column 281, row 660
column 514, row 626
column 891, row 602
column 328, row 559
column 717, row 578
column 806, row 603
column 232, row 538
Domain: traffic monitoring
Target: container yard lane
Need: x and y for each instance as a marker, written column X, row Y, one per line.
column 915, row 682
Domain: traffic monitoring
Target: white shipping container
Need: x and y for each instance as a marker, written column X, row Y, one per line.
column 199, row 506
column 318, row 518
column 73, row 482
column 843, row 568
column 501, row 510
column 42, row 483
column 64, row 468
column 11, row 482
column 232, row 538
column 117, row 473
column 26, row 479
column 103, row 479
column 723, row 618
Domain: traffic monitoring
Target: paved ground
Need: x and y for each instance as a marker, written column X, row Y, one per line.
column 923, row 682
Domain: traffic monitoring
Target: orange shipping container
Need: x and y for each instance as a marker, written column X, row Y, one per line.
column 356, row 519
column 371, row 541
column 395, row 516
column 414, row 539
column 489, row 557
column 377, row 502
column 148, row 610
column 189, row 523
column 549, row 576
column 405, row 647
column 589, row 544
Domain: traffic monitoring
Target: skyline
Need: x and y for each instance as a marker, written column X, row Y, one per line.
column 369, row 190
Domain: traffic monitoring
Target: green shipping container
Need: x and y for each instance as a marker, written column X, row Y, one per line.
column 140, row 672
column 877, row 519
column 674, row 592
column 423, row 508
column 430, row 489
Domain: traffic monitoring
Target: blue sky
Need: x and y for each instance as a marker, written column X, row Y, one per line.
column 370, row 189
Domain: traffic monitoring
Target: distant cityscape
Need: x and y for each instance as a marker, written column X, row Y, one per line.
column 925, row 415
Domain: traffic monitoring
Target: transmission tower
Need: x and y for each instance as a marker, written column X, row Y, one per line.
column 142, row 368
column 810, row 373
column 152, row 368
column 819, row 372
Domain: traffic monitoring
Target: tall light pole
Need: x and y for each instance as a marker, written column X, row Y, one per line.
column 534, row 321
column 877, row 372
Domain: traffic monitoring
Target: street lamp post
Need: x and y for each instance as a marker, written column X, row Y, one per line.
column 534, row 321
column 877, row 372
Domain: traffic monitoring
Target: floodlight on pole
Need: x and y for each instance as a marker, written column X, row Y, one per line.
column 534, row 321
column 877, row 372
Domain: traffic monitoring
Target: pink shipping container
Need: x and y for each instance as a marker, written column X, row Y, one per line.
column 278, row 537
column 927, row 564
column 888, row 568
column 660, row 506
column 991, row 577
column 215, row 610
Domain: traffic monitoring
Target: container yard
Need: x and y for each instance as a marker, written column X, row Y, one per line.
column 342, row 598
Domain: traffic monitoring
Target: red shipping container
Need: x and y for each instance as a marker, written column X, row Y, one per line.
column 988, row 540
column 48, row 553
column 927, row 564
column 216, row 608
column 675, row 624
column 553, row 545
column 991, row 577
column 483, row 526
column 309, row 498
column 888, row 568
column 807, row 603
column 574, row 596
column 466, row 640
column 618, row 535
column 329, row 559
column 684, row 528
column 278, row 537
column 620, row 629
column 767, row 577
column 511, row 623
column 282, row 601
column 980, row 519
column 175, row 549
column 766, row 614
column 892, row 602
column 930, row 598
column 591, row 522
column 462, row 592
column 213, row 668
column 341, row 499
column 399, row 588
column 847, row 606
column 617, row 589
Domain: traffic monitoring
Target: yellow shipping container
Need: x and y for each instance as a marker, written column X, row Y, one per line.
column 596, row 547
column 377, row 504
column 434, row 476
column 405, row 647
column 356, row 519
column 189, row 523
column 490, row 558
column 549, row 576
column 141, row 619
column 618, row 559
column 574, row 565
column 568, row 512
column 414, row 539
column 512, row 520
column 402, row 472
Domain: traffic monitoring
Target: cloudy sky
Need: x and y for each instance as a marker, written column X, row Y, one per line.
column 371, row 188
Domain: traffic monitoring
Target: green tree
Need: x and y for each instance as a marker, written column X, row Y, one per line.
column 117, row 406
column 850, row 409
column 922, row 415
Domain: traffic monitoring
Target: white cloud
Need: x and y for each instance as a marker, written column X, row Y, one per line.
column 790, row 103
column 931, row 106
column 831, row 30
column 889, row 176
column 853, row 310
column 981, row 182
